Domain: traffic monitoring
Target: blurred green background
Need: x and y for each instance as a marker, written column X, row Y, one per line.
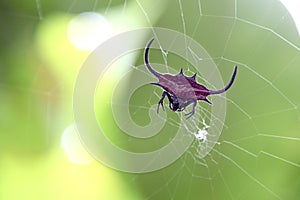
column 41, row 52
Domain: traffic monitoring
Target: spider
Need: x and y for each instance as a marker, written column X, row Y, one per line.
column 182, row 90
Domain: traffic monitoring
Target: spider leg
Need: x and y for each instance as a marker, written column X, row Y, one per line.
column 161, row 101
column 188, row 115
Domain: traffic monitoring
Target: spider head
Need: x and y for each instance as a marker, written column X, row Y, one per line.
column 176, row 104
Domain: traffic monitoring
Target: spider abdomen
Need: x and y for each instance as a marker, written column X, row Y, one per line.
column 182, row 86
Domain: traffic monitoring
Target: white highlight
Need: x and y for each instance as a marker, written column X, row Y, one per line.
column 293, row 7
column 73, row 148
column 88, row 30
column 201, row 135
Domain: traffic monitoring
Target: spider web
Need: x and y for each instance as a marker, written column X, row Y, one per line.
column 262, row 113
column 256, row 156
column 253, row 127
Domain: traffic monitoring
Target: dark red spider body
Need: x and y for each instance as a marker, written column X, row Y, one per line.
column 180, row 89
column 183, row 87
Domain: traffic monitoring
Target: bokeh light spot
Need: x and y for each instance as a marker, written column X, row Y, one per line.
column 73, row 148
column 88, row 30
column 293, row 7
